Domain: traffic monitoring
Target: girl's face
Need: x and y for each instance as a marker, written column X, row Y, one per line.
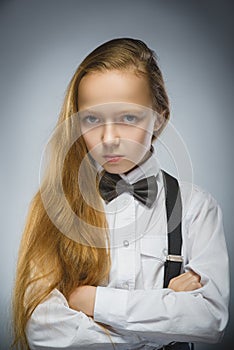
column 116, row 118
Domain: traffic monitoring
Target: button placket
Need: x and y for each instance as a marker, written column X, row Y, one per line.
column 126, row 250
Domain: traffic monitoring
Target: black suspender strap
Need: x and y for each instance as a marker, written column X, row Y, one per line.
column 174, row 216
column 174, row 259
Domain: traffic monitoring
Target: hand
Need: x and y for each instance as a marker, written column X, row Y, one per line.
column 185, row 282
column 83, row 299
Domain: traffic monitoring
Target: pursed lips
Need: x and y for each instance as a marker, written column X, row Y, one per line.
column 113, row 157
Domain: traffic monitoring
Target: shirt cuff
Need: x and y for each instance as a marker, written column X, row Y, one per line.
column 110, row 306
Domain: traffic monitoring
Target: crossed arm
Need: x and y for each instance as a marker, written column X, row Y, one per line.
column 83, row 298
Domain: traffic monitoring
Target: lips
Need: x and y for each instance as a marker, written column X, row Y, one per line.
column 113, row 158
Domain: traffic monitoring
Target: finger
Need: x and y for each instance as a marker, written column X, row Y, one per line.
column 188, row 275
column 186, row 282
column 192, row 286
column 183, row 277
column 192, row 283
column 193, row 273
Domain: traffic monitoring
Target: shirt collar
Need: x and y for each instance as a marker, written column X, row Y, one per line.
column 149, row 167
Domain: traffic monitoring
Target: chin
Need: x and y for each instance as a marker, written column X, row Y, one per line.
column 118, row 169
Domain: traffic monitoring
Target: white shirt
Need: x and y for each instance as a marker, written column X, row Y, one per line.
column 140, row 312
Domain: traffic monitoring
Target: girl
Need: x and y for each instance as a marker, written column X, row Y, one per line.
column 91, row 269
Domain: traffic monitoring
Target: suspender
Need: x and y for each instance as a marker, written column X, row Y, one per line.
column 174, row 217
column 174, row 235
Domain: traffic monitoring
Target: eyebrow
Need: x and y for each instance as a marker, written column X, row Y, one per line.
column 114, row 112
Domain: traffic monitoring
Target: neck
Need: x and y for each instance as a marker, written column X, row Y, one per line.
column 144, row 159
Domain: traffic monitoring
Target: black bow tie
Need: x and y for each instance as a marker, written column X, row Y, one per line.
column 112, row 185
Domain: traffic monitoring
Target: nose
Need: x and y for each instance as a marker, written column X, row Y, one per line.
column 110, row 134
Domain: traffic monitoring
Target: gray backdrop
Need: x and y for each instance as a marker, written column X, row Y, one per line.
column 42, row 42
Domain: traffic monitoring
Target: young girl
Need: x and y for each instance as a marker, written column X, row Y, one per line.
column 91, row 270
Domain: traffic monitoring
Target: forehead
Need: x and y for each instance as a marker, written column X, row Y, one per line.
column 113, row 86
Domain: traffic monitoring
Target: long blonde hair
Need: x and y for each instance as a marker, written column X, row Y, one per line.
column 49, row 259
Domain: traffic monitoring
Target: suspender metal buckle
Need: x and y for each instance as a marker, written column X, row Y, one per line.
column 176, row 258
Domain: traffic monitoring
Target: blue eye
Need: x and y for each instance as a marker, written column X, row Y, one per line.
column 90, row 119
column 130, row 119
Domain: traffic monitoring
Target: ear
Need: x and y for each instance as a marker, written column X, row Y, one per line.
column 159, row 122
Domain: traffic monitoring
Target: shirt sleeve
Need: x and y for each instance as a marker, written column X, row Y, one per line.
column 162, row 315
column 54, row 325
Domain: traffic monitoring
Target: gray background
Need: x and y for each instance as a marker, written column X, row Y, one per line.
column 42, row 42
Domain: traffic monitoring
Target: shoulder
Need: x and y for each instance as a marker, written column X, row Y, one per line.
column 197, row 201
column 193, row 195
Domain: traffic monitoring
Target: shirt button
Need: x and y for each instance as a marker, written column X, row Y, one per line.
column 126, row 243
column 125, row 285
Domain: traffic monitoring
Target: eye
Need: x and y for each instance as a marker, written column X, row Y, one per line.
column 130, row 119
column 90, row 119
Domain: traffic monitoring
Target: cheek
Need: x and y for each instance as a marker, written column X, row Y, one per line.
column 142, row 137
column 91, row 139
column 143, row 134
